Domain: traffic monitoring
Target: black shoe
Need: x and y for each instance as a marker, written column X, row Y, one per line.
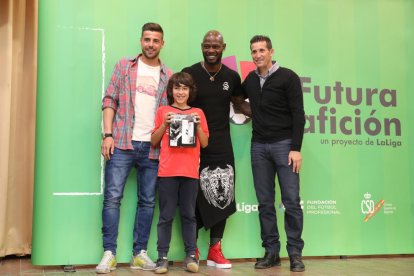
column 191, row 263
column 161, row 266
column 269, row 260
column 296, row 264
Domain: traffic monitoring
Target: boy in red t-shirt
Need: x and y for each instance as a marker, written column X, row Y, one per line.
column 178, row 172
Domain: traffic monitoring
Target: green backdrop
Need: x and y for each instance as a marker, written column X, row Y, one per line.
column 355, row 59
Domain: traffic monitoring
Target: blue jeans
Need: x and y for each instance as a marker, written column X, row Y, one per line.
column 269, row 160
column 116, row 173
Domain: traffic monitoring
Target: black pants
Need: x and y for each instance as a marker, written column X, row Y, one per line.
column 216, row 231
column 173, row 191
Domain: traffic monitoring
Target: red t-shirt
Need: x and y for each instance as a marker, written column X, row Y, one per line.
column 179, row 161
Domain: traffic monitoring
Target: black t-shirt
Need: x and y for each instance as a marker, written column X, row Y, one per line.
column 213, row 97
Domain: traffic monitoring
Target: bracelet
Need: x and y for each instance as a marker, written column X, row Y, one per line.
column 106, row 135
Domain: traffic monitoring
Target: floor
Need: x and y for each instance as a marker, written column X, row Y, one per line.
column 361, row 266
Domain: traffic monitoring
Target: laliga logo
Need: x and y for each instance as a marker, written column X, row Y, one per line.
column 369, row 208
column 247, row 208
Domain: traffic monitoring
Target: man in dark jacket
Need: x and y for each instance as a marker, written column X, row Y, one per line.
column 276, row 102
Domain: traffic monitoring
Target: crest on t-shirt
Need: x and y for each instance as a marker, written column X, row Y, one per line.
column 218, row 186
column 226, row 86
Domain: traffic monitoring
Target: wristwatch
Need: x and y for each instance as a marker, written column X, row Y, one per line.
column 106, row 135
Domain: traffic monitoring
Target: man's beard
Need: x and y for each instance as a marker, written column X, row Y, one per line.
column 153, row 56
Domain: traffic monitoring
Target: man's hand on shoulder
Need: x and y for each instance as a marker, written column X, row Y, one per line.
column 241, row 104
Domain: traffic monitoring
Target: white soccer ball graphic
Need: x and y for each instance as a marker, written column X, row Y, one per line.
column 236, row 117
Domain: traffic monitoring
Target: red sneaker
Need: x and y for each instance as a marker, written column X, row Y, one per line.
column 216, row 258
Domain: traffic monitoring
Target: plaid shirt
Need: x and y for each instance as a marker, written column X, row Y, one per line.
column 120, row 96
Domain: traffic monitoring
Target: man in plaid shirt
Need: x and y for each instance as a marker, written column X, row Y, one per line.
column 136, row 89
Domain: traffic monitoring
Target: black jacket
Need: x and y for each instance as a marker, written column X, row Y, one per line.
column 277, row 107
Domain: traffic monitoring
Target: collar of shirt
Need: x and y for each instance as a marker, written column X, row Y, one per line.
column 134, row 61
column 272, row 69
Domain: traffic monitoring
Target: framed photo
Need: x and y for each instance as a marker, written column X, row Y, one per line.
column 183, row 131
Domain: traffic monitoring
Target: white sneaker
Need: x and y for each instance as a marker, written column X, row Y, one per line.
column 142, row 261
column 107, row 264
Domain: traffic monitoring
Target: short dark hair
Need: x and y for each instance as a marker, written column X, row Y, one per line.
column 184, row 79
column 258, row 38
column 153, row 27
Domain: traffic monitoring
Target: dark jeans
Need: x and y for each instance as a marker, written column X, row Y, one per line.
column 116, row 172
column 172, row 191
column 269, row 160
